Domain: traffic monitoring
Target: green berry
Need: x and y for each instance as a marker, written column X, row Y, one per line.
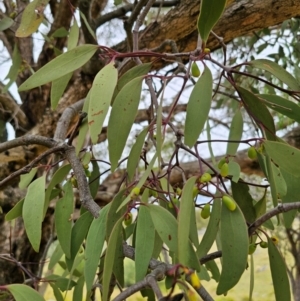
column 221, row 162
column 135, row 191
column 128, row 219
column 205, row 178
column 195, row 70
column 205, row 212
column 263, row 244
column 252, row 154
column 229, row 202
column 195, row 191
column 224, row 170
column 251, row 249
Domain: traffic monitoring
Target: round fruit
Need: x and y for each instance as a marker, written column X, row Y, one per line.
column 135, row 191
column 74, row 182
column 195, row 70
column 263, row 244
column 195, row 191
column 229, row 202
column 206, row 177
column 128, row 219
column 224, row 170
column 252, row 154
column 178, row 191
column 251, row 249
column 195, row 281
column 154, row 193
column 206, row 50
column 221, row 162
column 205, row 212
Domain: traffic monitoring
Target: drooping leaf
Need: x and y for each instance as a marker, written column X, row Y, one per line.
column 5, row 22
column 284, row 156
column 15, row 212
column 241, row 195
column 121, row 119
column 56, row 256
column 277, row 71
column 234, row 170
column 234, row 240
column 22, row 292
column 260, row 209
column 198, row 108
column 74, row 35
column 78, row 290
column 64, row 284
column 279, row 273
column 186, row 255
column 144, row 242
column 60, row 66
column 158, row 244
column 33, row 211
column 56, row 292
column 27, row 178
column 94, row 179
column 165, row 225
column 110, row 257
column 86, row 23
column 101, row 93
column 32, row 17
column 235, row 133
column 251, row 278
column 282, row 105
column 60, row 33
column 131, row 74
column 79, row 232
column 57, row 89
column 63, row 219
column 214, row 269
column 134, row 155
column 210, row 13
column 259, row 112
column 94, row 244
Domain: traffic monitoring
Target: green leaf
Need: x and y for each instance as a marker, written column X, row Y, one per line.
column 134, row 155
column 282, row 105
column 241, row 195
column 15, row 212
column 214, row 269
column 251, row 278
column 165, row 225
column 144, row 242
column 234, row 170
column 260, row 209
column 158, row 244
column 131, row 74
column 59, row 33
column 23, row 292
column 259, row 112
column 60, row 66
column 198, row 108
column 57, row 89
column 33, row 211
column 14, row 69
column 32, row 17
column 94, row 179
column 101, row 93
column 74, row 35
column 78, row 290
column 284, row 156
column 110, row 257
column 121, row 119
column 292, row 195
column 185, row 256
column 94, row 244
column 64, row 284
column 210, row 13
column 277, row 71
column 5, row 22
column 234, row 240
column 56, row 292
column 279, row 273
column 27, row 178
column 235, row 133
column 86, row 23
column 56, row 256
column 211, row 230
column 63, row 219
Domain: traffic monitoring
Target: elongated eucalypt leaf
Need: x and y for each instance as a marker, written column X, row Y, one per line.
column 134, row 155
column 32, row 17
column 22, row 292
column 122, row 117
column 259, row 112
column 60, row 66
column 33, row 211
column 94, row 244
column 198, row 108
column 101, row 93
column 144, row 242
column 110, row 257
column 282, row 105
column 27, row 178
column 284, row 156
column 5, row 22
column 15, row 212
column 187, row 205
column 277, row 71
column 279, row 273
column 210, row 13
column 165, row 225
column 63, row 218
column 234, row 240
column 235, row 133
